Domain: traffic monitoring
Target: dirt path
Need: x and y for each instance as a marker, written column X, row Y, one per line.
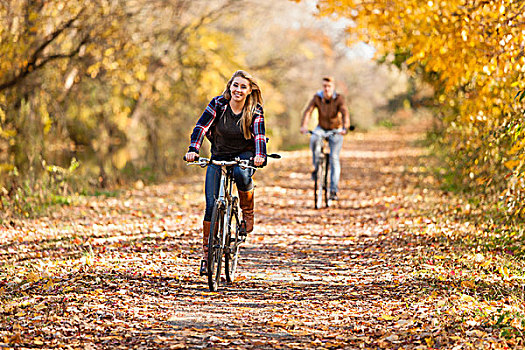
column 122, row 272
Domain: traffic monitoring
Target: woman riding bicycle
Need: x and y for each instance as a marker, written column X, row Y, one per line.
column 234, row 124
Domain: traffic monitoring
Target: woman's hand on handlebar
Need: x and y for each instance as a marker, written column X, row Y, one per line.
column 258, row 161
column 191, row 157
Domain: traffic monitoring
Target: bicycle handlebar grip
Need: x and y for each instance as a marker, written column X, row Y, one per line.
column 195, row 160
column 271, row 155
column 252, row 164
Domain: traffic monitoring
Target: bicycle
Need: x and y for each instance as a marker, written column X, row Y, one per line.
column 322, row 172
column 227, row 231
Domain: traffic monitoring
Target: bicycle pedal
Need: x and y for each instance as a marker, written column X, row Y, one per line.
column 204, row 268
column 241, row 238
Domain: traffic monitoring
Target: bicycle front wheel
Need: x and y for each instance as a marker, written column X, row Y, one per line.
column 319, row 182
column 215, row 247
column 233, row 242
column 326, row 176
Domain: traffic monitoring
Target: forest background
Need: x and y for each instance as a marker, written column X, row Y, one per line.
column 97, row 94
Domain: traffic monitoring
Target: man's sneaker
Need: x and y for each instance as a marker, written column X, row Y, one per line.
column 333, row 196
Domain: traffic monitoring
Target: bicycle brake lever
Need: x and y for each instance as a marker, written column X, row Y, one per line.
column 245, row 163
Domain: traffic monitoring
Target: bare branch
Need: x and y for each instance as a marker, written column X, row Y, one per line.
column 32, row 63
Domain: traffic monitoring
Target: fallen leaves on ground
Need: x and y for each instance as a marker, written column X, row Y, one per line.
column 382, row 268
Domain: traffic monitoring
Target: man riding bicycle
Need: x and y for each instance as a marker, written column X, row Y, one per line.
column 333, row 116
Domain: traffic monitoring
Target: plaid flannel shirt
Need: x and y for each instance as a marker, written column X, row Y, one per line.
column 217, row 107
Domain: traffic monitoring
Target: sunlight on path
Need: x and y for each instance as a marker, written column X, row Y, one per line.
column 122, row 272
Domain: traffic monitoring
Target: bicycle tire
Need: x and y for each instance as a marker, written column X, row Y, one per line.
column 318, row 182
column 325, row 181
column 215, row 248
column 233, row 241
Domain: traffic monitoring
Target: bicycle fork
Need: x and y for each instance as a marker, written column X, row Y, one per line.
column 227, row 228
column 226, row 209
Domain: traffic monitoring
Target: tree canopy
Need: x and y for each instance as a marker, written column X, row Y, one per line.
column 472, row 52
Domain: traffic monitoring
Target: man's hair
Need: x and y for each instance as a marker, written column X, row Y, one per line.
column 329, row 79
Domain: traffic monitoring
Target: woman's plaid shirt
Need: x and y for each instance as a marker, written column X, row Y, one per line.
column 217, row 107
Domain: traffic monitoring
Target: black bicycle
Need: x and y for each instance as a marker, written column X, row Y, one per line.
column 321, row 173
column 227, row 231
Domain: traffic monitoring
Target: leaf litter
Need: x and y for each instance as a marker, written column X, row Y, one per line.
column 379, row 269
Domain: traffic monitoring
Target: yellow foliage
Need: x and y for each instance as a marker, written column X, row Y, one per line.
column 5, row 168
column 120, row 158
column 511, row 164
column 473, row 50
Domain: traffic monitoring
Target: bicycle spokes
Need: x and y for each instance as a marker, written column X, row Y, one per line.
column 215, row 248
column 234, row 240
column 319, row 182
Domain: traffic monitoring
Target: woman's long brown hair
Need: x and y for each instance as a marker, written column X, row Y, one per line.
column 250, row 105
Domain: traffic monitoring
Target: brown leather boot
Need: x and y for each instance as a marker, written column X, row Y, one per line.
column 246, row 200
column 205, row 234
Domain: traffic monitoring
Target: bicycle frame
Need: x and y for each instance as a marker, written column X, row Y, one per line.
column 220, row 241
column 232, row 228
column 322, row 171
column 225, row 200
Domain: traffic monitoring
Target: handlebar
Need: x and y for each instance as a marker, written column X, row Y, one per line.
column 333, row 132
column 243, row 163
column 203, row 162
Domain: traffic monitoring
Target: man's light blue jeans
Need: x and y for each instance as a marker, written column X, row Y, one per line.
column 335, row 142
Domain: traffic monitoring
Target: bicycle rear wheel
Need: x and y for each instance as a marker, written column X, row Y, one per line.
column 233, row 243
column 319, row 182
column 326, row 176
column 215, row 247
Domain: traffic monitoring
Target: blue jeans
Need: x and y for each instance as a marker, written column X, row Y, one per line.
column 242, row 178
column 335, row 142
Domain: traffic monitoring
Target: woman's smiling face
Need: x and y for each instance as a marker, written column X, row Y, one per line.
column 240, row 89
